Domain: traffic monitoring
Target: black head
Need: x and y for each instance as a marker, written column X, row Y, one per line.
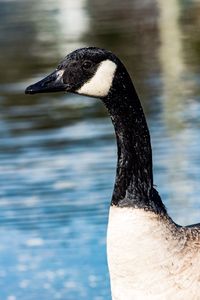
column 87, row 71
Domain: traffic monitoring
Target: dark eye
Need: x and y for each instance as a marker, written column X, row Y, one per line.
column 87, row 64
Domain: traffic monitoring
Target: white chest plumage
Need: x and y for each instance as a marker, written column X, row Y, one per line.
column 149, row 257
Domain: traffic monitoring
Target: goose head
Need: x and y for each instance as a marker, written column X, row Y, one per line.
column 87, row 71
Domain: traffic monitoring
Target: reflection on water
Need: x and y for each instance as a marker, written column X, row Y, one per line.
column 57, row 152
column 176, row 97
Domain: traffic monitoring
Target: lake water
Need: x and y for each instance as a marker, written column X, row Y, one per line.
column 58, row 153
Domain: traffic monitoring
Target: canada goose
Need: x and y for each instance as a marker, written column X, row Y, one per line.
column 149, row 256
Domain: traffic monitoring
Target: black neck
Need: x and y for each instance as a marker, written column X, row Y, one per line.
column 134, row 177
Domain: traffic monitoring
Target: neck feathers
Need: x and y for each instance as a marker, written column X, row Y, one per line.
column 134, row 178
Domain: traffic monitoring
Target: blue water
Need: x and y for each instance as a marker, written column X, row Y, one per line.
column 58, row 152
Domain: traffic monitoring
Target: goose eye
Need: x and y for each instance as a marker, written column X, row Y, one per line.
column 87, row 64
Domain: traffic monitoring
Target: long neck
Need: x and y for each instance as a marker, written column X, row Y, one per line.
column 134, row 177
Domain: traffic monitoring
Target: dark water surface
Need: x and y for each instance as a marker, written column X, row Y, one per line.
column 58, row 153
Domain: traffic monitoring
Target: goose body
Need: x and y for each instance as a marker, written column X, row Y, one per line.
column 149, row 256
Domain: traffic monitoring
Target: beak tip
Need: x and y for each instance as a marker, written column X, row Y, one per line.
column 29, row 90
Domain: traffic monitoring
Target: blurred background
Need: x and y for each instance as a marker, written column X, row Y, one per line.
column 58, row 152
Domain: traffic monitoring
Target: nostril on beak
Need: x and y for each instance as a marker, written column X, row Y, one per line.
column 47, row 82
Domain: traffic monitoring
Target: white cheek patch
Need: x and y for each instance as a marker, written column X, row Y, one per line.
column 100, row 84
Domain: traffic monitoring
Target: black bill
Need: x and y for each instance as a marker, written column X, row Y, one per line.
column 51, row 83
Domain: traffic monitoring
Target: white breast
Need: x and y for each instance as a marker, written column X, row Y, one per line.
column 149, row 259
